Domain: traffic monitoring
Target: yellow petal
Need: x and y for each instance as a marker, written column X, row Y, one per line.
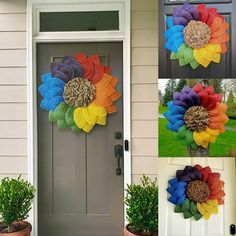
column 87, row 128
column 97, row 110
column 79, row 119
column 206, row 54
column 203, row 211
column 200, row 59
column 89, row 117
column 214, row 48
column 214, row 132
column 211, row 209
column 102, row 120
column 213, row 202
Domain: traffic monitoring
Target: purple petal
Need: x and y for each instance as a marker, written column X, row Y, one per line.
column 185, row 98
column 180, row 21
column 67, row 70
column 182, row 13
column 191, row 10
column 75, row 65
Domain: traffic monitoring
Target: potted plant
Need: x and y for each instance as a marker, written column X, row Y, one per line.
column 142, row 208
column 16, row 196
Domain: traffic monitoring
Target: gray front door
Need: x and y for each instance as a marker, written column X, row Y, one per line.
column 79, row 193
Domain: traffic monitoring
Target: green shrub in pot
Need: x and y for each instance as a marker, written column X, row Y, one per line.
column 142, row 207
column 16, row 196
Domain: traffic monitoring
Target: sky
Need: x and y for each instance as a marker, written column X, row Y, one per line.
column 162, row 84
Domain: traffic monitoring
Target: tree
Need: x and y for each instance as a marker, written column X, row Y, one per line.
column 231, row 112
column 180, row 84
column 169, row 91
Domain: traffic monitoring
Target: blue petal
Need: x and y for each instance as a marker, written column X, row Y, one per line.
column 177, row 110
column 181, row 199
column 169, row 21
column 175, row 47
column 172, row 181
column 172, row 39
column 46, row 77
column 170, row 190
column 175, row 127
column 172, row 199
column 43, row 88
column 51, row 93
column 173, row 29
column 55, row 102
column 179, row 192
column 45, row 105
column 180, row 184
column 55, row 82
column 176, row 118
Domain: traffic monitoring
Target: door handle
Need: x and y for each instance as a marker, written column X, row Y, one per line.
column 232, row 230
column 118, row 151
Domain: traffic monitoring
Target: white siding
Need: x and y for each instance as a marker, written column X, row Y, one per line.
column 13, row 95
column 144, row 88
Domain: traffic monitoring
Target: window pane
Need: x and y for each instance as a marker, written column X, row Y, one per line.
column 79, row 21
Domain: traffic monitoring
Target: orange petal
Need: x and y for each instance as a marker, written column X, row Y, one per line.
column 221, row 201
column 224, row 48
column 104, row 102
column 218, row 195
column 103, row 83
column 217, row 188
column 111, row 109
column 220, row 107
column 108, row 91
column 114, row 81
column 215, row 125
column 221, row 117
column 221, row 30
column 216, row 23
column 115, row 96
column 221, row 39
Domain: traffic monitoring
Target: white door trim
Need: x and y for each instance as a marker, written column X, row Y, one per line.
column 34, row 37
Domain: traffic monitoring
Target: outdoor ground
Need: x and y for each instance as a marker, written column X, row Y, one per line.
column 169, row 147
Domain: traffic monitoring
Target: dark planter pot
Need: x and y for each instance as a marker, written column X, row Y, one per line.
column 128, row 233
column 24, row 232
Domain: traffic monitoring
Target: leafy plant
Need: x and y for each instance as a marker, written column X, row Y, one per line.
column 16, row 196
column 142, row 206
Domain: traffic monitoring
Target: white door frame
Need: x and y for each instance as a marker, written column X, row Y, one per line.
column 34, row 7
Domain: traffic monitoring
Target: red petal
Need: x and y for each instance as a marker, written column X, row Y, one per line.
column 212, row 12
column 203, row 12
column 98, row 69
column 219, row 195
column 197, row 88
column 221, row 201
column 107, row 69
column 205, row 172
column 198, row 167
column 217, row 188
column 213, row 180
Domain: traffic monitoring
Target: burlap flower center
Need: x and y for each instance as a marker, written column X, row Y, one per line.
column 198, row 191
column 197, row 34
column 79, row 92
column 196, row 118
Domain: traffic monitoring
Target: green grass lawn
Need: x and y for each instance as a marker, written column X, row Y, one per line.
column 170, row 147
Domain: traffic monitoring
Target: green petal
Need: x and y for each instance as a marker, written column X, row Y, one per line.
column 194, row 64
column 182, row 132
column 69, row 116
column 51, row 117
column 76, row 129
column 174, row 56
column 194, row 146
column 61, row 124
column 178, row 209
column 182, row 62
column 60, row 111
column 193, row 208
column 181, row 49
column 189, row 137
column 197, row 216
column 188, row 54
column 187, row 215
column 185, row 205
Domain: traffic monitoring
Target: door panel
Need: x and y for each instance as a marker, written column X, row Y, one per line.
column 171, row 69
column 173, row 224
column 79, row 192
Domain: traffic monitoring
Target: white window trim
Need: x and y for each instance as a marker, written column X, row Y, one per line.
column 34, row 37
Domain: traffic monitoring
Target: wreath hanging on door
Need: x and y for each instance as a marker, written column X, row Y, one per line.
column 197, row 115
column 79, row 93
column 196, row 192
column 196, row 35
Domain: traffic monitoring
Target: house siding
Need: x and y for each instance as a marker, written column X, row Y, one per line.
column 144, row 88
column 13, row 88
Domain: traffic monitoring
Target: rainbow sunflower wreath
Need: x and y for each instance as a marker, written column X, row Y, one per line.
column 196, row 192
column 78, row 93
column 196, row 35
column 197, row 115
